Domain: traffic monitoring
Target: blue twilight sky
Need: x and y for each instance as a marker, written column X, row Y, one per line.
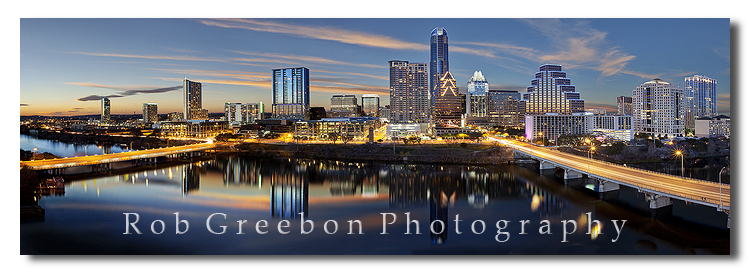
column 67, row 65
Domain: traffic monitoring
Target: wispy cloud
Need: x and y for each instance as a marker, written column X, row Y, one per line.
column 599, row 105
column 322, row 33
column 379, row 77
column 154, row 57
column 125, row 90
column 308, row 59
column 24, row 104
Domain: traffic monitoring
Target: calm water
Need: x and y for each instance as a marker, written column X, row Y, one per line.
column 64, row 149
column 89, row 219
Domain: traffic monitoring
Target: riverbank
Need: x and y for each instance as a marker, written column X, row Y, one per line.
column 133, row 142
column 468, row 154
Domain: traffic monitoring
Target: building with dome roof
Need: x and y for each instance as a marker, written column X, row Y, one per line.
column 476, row 95
column 658, row 109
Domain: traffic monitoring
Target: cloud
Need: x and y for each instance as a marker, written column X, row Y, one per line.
column 126, row 91
column 322, row 33
column 153, row 57
column 312, row 59
column 76, row 109
column 383, row 91
column 598, row 105
column 24, row 104
column 379, row 77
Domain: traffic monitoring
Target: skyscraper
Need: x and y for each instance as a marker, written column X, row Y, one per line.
column 105, row 109
column 192, row 99
column 503, row 108
column 658, row 109
column 700, row 99
column 448, row 101
column 371, row 105
column 291, row 93
column 149, row 112
column 409, row 91
column 438, row 62
column 476, row 101
column 551, row 92
column 624, row 106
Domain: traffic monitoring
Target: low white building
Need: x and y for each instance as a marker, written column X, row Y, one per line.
column 712, row 127
column 614, row 127
column 552, row 125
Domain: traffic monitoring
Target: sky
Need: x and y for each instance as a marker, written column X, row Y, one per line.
column 68, row 65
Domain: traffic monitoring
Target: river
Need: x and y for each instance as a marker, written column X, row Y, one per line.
column 245, row 205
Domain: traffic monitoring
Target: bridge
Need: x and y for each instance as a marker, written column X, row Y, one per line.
column 103, row 161
column 661, row 188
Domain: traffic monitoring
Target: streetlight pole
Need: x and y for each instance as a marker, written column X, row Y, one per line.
column 33, row 156
column 682, row 163
column 721, row 206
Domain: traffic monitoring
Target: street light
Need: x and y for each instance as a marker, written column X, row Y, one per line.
column 33, row 156
column 721, row 206
column 682, row 162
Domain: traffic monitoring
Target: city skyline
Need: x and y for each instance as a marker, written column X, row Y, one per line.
column 233, row 58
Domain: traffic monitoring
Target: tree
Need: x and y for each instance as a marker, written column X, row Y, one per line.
column 29, row 185
column 616, row 148
column 156, row 133
column 346, row 138
column 333, row 136
column 136, row 132
column 224, row 137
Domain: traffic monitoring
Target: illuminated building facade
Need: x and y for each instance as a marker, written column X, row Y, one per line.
column 476, row 93
column 291, row 93
column 371, row 105
column 438, row 63
column 624, row 106
column 717, row 126
column 552, row 125
column 614, row 127
column 150, row 112
column 448, row 101
column 503, row 108
column 344, row 106
column 658, row 109
column 242, row 113
column 700, row 99
column 409, row 92
column 105, row 109
column 192, row 100
column 551, row 92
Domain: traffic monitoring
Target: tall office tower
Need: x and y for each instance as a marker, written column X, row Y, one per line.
column 192, row 99
column 476, row 101
column 448, row 101
column 658, row 109
column 700, row 99
column 624, row 106
column 438, row 62
column 503, row 108
column 150, row 112
column 551, row 92
column 344, row 105
column 291, row 93
column 371, row 105
column 105, row 109
column 410, row 99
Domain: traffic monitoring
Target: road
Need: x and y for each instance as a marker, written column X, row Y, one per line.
column 693, row 189
column 107, row 158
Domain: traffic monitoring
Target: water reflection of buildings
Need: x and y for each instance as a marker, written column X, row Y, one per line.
column 409, row 184
column 191, row 178
column 289, row 191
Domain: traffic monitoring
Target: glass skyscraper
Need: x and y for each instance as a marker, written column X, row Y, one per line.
column 105, row 109
column 409, row 90
column 551, row 92
column 438, row 62
column 476, row 101
column 192, row 100
column 371, row 105
column 291, row 93
column 700, row 99
column 503, row 108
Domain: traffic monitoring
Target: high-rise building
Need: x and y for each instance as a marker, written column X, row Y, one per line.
column 192, row 99
column 242, row 113
column 448, row 101
column 624, row 106
column 700, row 99
column 551, row 92
column 438, row 62
column 175, row 116
column 291, row 93
column 658, row 109
column 476, row 95
column 717, row 126
column 344, row 106
column 105, row 109
column 409, row 92
column 503, row 108
column 371, row 105
column 150, row 112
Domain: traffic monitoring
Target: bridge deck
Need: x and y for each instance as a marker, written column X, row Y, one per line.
column 109, row 158
column 683, row 188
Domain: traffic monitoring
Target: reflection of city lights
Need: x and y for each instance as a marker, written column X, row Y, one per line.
column 595, row 231
column 535, row 202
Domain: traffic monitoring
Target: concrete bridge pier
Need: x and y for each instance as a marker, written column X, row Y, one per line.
column 656, row 201
column 544, row 165
column 605, row 186
column 571, row 174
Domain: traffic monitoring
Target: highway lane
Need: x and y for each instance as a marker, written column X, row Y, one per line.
column 106, row 158
column 699, row 190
